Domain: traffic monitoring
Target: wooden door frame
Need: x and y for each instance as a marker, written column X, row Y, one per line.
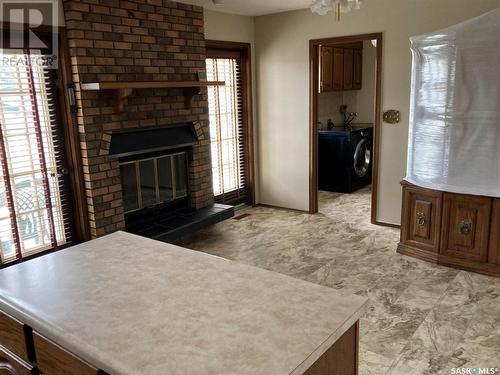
column 81, row 226
column 313, row 116
column 245, row 50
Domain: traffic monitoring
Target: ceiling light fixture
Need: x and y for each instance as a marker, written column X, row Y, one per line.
column 322, row 7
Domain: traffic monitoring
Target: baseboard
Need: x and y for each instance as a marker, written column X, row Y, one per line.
column 443, row 260
column 281, row 208
column 417, row 253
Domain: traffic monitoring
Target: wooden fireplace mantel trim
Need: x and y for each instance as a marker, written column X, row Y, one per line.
column 124, row 89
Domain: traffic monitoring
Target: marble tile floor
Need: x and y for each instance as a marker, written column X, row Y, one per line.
column 424, row 319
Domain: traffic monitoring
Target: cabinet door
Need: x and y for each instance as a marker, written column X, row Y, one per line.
column 494, row 251
column 357, row 69
column 12, row 336
column 421, row 221
column 466, row 223
column 54, row 360
column 326, row 68
column 338, row 69
column 348, row 69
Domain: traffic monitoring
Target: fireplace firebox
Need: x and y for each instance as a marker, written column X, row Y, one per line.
column 155, row 180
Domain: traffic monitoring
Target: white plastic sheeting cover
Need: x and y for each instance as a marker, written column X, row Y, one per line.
column 454, row 140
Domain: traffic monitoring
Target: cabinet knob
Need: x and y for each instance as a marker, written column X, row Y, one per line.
column 421, row 219
column 465, row 227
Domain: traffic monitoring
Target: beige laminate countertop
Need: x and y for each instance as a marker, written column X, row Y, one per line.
column 132, row 305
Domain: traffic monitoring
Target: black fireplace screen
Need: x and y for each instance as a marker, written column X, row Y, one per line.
column 151, row 181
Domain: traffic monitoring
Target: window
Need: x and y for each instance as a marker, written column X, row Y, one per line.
column 34, row 213
column 227, row 127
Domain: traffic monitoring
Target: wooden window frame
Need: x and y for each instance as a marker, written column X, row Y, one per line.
column 244, row 50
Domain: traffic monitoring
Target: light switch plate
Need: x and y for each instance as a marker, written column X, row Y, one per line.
column 391, row 116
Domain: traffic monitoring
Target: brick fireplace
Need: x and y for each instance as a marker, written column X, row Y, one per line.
column 135, row 40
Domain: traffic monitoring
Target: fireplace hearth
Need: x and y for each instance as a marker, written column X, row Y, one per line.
column 172, row 222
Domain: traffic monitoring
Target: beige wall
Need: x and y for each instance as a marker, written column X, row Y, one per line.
column 229, row 27
column 283, row 89
column 365, row 97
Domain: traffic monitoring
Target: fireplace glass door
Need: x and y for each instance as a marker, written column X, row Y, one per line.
column 152, row 181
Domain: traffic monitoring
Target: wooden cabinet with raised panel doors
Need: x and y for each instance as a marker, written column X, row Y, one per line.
column 357, row 73
column 348, row 68
column 340, row 67
column 326, row 68
column 456, row 230
column 424, row 218
column 466, row 222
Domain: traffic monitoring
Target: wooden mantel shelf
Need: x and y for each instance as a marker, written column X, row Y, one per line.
column 124, row 89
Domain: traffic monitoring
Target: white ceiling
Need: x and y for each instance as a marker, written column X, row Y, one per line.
column 252, row 7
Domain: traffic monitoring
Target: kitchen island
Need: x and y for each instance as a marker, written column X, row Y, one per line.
column 124, row 304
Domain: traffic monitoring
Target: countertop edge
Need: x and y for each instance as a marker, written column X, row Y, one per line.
column 87, row 353
column 66, row 341
column 332, row 339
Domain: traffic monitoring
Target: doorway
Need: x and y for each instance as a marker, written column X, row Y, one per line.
column 230, row 115
column 326, row 56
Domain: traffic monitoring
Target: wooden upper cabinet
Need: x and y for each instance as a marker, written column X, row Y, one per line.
column 466, row 224
column 348, row 68
column 326, row 68
column 340, row 67
column 357, row 72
